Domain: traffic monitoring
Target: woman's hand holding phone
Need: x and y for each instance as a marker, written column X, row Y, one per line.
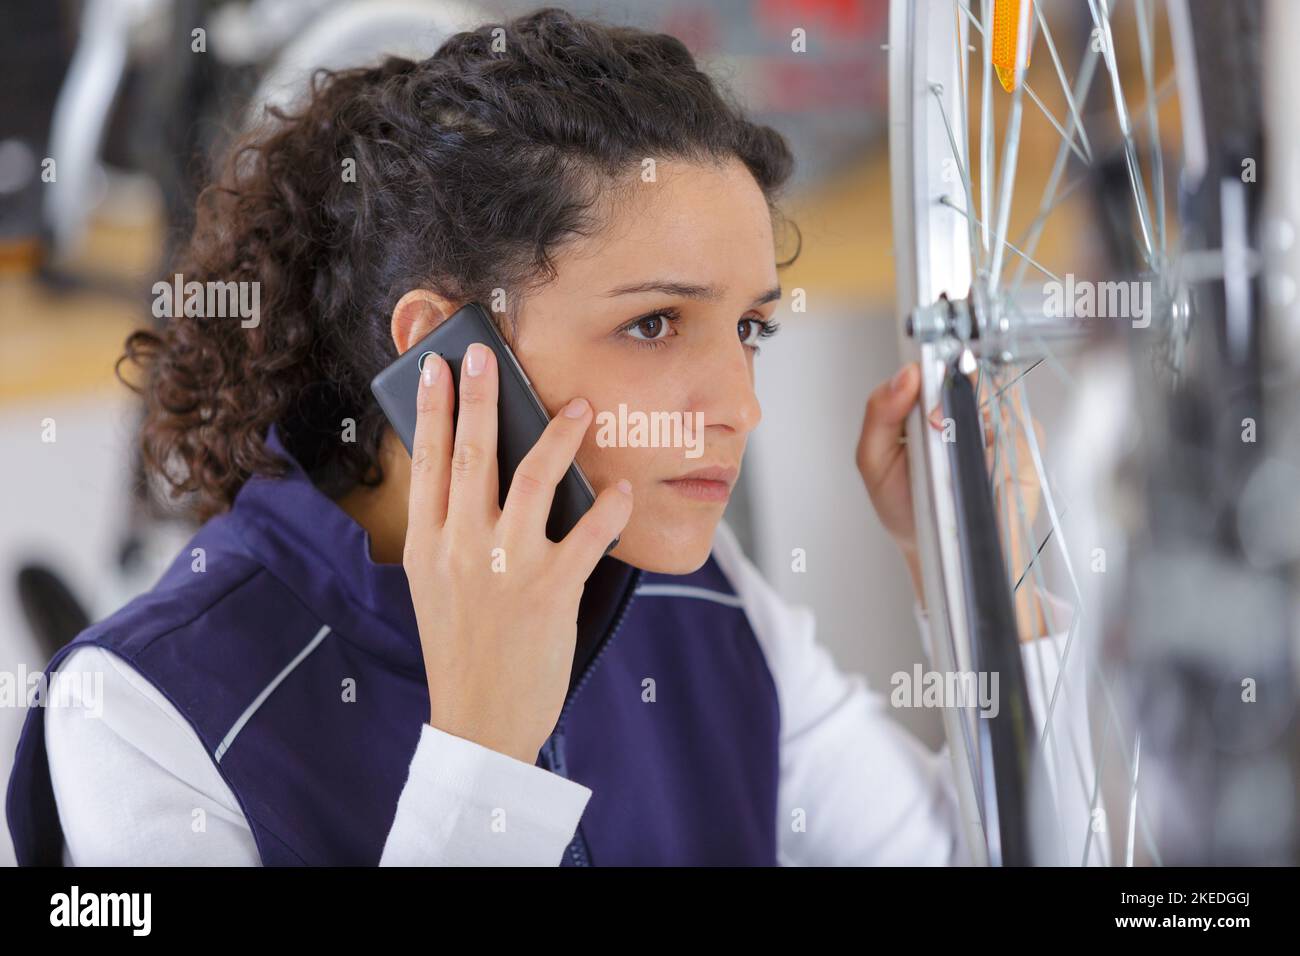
column 496, row 601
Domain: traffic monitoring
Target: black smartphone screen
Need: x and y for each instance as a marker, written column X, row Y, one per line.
column 521, row 415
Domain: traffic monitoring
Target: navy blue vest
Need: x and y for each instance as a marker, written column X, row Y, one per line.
column 289, row 606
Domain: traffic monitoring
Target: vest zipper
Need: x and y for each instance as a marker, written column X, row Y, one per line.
column 555, row 744
column 609, row 638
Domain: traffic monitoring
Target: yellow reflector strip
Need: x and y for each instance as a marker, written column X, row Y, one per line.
column 1006, row 27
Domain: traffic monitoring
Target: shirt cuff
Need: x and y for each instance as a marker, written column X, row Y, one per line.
column 468, row 805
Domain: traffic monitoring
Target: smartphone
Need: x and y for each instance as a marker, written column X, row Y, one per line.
column 521, row 415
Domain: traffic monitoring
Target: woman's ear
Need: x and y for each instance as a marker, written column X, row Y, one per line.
column 417, row 314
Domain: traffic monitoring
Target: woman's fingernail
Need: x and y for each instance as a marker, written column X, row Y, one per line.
column 897, row 381
column 475, row 359
column 625, row 486
column 430, row 370
column 576, row 408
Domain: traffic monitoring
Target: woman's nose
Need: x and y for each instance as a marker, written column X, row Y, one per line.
column 729, row 398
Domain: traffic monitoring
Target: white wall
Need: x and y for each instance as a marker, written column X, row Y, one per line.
column 805, row 491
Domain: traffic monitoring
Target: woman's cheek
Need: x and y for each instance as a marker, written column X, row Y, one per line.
column 605, row 465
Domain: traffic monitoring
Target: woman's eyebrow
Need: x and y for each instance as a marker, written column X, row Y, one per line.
column 688, row 290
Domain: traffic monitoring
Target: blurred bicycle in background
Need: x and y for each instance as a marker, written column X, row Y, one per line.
column 132, row 94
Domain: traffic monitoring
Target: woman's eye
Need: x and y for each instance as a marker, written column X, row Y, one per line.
column 651, row 327
column 650, row 331
column 751, row 330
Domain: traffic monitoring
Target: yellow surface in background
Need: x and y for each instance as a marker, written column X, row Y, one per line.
column 57, row 345
column 62, row 343
column 848, row 246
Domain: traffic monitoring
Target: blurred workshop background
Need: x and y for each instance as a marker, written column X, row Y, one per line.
column 114, row 92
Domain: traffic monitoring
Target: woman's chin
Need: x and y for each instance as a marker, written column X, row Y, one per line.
column 672, row 546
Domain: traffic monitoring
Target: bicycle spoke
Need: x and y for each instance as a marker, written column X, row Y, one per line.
column 1121, row 111
column 1032, row 561
column 1133, row 799
column 963, row 85
column 1002, row 242
column 1065, row 86
column 1055, row 125
column 937, row 90
column 1145, row 48
column 1083, row 85
column 1096, row 787
column 1061, row 197
column 986, row 126
column 1037, row 362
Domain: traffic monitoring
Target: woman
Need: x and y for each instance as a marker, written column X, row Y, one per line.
column 361, row 658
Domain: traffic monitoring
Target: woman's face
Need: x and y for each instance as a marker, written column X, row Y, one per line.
column 661, row 313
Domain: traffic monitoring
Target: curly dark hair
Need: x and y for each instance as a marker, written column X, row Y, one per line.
column 471, row 168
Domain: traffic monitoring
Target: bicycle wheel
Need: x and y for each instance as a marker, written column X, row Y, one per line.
column 992, row 282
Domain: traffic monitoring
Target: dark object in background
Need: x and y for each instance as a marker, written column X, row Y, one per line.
column 53, row 612
column 36, row 47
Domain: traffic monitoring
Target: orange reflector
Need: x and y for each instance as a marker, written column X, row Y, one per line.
column 1006, row 27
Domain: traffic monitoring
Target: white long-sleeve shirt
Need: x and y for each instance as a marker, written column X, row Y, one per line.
column 133, row 781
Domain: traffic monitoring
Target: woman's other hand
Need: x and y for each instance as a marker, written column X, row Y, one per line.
column 882, row 461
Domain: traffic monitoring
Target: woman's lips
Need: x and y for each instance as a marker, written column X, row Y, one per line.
column 700, row 489
column 705, row 484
